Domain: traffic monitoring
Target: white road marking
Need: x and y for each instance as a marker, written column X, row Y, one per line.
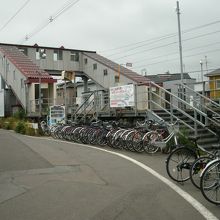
column 192, row 201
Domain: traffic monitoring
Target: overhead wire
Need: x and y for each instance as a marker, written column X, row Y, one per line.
column 153, row 40
column 169, row 54
column 169, row 60
column 153, row 48
column 146, row 50
column 165, row 36
column 59, row 12
column 13, row 16
column 190, row 49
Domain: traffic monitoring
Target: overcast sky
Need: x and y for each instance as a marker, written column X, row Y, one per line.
column 143, row 32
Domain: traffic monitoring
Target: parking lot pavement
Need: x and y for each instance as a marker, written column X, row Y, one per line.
column 51, row 179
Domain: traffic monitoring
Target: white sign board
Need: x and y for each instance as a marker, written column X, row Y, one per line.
column 57, row 114
column 2, row 103
column 122, row 96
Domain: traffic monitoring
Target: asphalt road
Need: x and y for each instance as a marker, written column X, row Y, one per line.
column 46, row 179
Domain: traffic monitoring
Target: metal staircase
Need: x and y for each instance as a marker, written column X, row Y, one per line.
column 90, row 107
column 194, row 110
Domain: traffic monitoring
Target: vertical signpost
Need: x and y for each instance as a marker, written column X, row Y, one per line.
column 67, row 76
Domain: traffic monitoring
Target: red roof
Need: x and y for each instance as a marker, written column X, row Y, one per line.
column 25, row 65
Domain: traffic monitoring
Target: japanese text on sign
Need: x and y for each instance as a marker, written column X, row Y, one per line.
column 122, row 96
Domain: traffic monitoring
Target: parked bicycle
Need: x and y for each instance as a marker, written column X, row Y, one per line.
column 210, row 176
column 45, row 128
column 183, row 162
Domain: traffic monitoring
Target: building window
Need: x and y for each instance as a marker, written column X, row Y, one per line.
column 14, row 75
column 22, row 83
column 85, row 61
column 24, row 50
column 105, row 72
column 95, row 66
column 57, row 55
column 74, row 56
column 117, row 79
column 40, row 53
column 218, row 84
column 8, row 67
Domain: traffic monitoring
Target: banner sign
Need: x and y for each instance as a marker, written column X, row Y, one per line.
column 122, row 96
column 2, row 103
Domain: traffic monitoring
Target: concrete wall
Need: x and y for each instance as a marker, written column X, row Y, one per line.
column 13, row 77
column 50, row 64
column 98, row 75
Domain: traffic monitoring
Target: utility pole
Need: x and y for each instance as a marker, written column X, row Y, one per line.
column 206, row 64
column 201, row 65
column 180, row 41
column 39, row 95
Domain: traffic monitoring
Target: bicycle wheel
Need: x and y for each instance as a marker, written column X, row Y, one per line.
column 149, row 142
column 129, row 141
column 137, row 142
column 196, row 169
column 179, row 162
column 210, row 182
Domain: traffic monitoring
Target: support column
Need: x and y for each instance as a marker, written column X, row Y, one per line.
column 54, row 101
column 2, row 83
column 85, row 80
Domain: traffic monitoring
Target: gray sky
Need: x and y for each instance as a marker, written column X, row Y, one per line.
column 122, row 30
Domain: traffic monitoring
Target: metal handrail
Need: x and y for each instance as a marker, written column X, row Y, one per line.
column 205, row 98
column 183, row 122
column 178, row 98
column 196, row 110
column 83, row 104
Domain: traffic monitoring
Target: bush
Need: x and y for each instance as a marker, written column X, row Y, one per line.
column 10, row 123
column 21, row 127
column 1, row 122
column 20, row 114
column 30, row 131
column 183, row 139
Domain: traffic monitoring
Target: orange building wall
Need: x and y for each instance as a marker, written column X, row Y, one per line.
column 214, row 92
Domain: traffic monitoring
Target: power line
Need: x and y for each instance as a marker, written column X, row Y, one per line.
column 174, row 59
column 156, row 39
column 13, row 16
column 165, row 45
column 169, row 54
column 202, row 35
column 164, row 36
column 192, row 38
column 133, row 48
column 60, row 11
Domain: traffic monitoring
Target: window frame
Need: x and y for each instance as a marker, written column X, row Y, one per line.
column 24, row 50
column 74, row 56
column 57, row 54
column 217, row 84
column 105, row 72
column 95, row 66
column 22, row 83
column 116, row 79
column 14, row 77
